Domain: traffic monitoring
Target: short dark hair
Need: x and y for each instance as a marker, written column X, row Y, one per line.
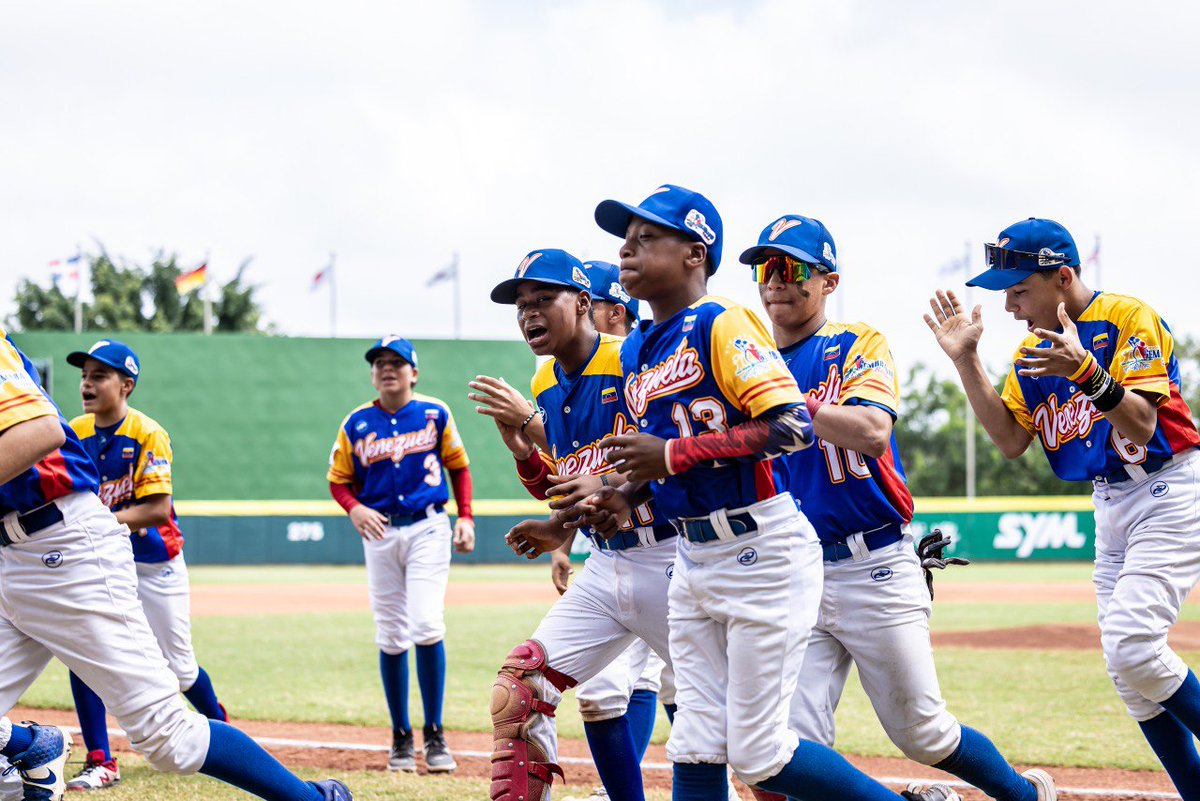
column 1047, row 274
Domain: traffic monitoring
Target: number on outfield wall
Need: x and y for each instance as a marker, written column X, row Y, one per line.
column 834, row 461
column 707, row 410
column 307, row 531
column 434, row 468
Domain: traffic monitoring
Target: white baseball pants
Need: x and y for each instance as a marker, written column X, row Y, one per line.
column 407, row 572
column 167, row 598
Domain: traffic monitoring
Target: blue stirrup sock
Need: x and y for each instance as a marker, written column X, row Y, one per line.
column 978, row 762
column 18, row 742
column 236, row 759
column 393, row 668
column 642, row 710
column 204, row 698
column 431, row 676
column 1172, row 743
column 670, row 709
column 93, row 722
column 818, row 773
column 617, row 761
column 1185, row 703
column 699, row 781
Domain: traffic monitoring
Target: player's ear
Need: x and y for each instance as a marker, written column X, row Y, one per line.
column 583, row 305
column 414, row 377
column 128, row 385
column 831, row 282
column 697, row 256
column 1066, row 276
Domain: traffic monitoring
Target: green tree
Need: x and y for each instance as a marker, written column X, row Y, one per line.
column 931, row 434
column 128, row 297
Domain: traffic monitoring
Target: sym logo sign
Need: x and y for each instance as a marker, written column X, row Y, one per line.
column 1026, row 532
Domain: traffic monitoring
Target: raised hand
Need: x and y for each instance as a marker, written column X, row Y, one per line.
column 1063, row 358
column 500, row 400
column 957, row 333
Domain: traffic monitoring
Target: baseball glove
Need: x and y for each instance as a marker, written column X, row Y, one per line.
column 929, row 551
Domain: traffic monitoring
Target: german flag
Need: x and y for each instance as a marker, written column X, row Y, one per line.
column 192, row 280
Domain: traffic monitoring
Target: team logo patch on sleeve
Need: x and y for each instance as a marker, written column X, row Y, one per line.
column 1141, row 355
column 862, row 365
column 753, row 358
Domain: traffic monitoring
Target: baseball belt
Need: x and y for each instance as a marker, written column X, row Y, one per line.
column 19, row 528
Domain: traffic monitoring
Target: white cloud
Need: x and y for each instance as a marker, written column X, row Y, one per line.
column 397, row 134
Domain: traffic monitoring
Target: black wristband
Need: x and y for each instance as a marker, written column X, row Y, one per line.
column 1105, row 393
column 528, row 420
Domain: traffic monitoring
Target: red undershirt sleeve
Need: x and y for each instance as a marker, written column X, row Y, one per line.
column 460, row 481
column 344, row 495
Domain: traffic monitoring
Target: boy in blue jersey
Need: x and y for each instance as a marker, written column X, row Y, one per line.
column 66, row 566
column 626, row 691
column 132, row 453
column 713, row 402
column 1097, row 383
column 387, row 471
column 875, row 607
column 622, row 593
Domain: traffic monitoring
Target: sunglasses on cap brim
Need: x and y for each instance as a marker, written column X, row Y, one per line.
column 789, row 270
column 998, row 258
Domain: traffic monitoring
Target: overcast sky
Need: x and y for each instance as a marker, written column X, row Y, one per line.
column 397, row 134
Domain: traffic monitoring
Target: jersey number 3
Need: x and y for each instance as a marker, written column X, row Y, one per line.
column 433, row 466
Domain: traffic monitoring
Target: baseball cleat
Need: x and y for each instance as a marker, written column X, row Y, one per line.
column 1043, row 782
column 401, row 756
column 438, row 758
column 97, row 773
column 333, row 790
column 42, row 765
column 931, row 792
column 597, row 794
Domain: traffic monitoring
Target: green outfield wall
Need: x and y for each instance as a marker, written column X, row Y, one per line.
column 996, row 529
column 253, row 417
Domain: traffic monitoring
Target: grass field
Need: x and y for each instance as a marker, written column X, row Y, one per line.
column 1046, row 707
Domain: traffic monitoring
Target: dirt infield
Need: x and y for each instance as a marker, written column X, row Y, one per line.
column 469, row 746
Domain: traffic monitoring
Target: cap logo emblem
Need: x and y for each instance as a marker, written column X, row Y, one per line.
column 131, row 366
column 661, row 189
column 618, row 292
column 578, row 277
column 523, row 267
column 827, row 253
column 389, row 339
column 1002, row 242
column 696, row 222
column 104, row 343
column 1048, row 258
column 782, row 225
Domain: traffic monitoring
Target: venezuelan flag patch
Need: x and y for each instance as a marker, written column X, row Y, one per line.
column 608, row 395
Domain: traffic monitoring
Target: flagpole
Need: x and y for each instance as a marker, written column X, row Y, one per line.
column 457, row 299
column 332, row 296
column 206, row 296
column 970, row 413
column 79, row 290
column 1099, row 274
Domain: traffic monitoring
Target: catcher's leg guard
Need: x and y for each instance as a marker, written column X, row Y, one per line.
column 520, row 770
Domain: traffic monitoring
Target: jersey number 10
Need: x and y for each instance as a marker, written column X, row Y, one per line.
column 838, row 467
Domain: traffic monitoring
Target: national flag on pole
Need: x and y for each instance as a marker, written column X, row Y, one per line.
column 322, row 274
column 445, row 274
column 1093, row 259
column 954, row 266
column 192, row 280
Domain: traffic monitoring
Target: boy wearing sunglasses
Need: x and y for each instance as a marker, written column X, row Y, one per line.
column 875, row 607
column 1097, row 383
column 714, row 402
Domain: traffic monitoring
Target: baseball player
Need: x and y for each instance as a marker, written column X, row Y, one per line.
column 580, row 402
column 875, row 606
column 1096, row 382
column 386, row 470
column 711, row 402
column 133, row 456
column 70, row 591
column 622, row 592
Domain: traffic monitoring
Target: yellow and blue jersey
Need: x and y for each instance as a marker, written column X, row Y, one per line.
column 394, row 462
column 840, row 491
column 134, row 459
column 708, row 367
column 1136, row 347
column 584, row 407
column 68, row 469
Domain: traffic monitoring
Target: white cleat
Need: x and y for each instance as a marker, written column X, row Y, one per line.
column 1044, row 782
column 97, row 774
column 598, row 794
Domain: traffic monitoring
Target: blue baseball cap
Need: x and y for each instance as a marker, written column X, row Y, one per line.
column 606, row 285
column 116, row 355
column 674, row 207
column 1024, row 248
column 800, row 237
column 547, row 266
column 397, row 345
